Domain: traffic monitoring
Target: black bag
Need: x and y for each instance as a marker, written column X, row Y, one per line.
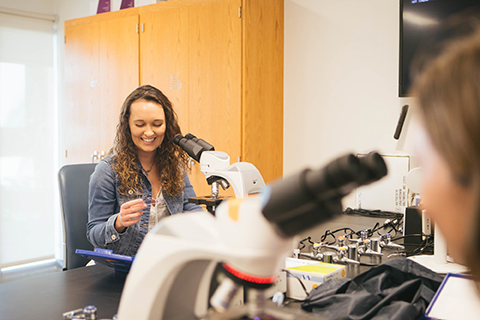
column 399, row 289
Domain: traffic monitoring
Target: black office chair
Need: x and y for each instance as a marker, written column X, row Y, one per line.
column 73, row 182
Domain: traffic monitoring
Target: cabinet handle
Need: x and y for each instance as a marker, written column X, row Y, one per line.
column 94, row 156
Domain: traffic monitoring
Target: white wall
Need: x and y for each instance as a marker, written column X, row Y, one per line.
column 341, row 76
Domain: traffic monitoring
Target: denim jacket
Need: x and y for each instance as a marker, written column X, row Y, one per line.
column 104, row 207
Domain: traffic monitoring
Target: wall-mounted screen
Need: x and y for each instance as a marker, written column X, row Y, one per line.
column 419, row 21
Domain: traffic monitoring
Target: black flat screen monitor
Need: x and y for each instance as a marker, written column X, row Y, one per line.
column 419, row 21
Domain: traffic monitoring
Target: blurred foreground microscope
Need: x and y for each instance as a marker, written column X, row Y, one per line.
column 249, row 239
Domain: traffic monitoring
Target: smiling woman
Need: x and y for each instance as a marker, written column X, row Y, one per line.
column 147, row 126
column 144, row 164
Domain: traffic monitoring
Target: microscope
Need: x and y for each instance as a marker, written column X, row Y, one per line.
column 244, row 177
column 248, row 239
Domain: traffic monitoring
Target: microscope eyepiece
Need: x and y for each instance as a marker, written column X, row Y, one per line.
column 207, row 146
column 192, row 148
column 374, row 166
column 177, row 139
column 311, row 197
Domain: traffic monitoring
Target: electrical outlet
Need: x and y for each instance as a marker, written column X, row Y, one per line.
column 426, row 224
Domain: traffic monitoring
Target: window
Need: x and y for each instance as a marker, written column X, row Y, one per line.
column 27, row 140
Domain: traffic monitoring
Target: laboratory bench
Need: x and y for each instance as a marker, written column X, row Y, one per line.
column 49, row 296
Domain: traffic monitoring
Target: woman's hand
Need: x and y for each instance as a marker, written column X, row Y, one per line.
column 130, row 213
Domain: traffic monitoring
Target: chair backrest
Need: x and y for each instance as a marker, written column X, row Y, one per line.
column 73, row 182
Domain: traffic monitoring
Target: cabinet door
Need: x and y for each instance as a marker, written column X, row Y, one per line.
column 119, row 72
column 215, row 55
column 80, row 113
column 101, row 69
column 164, row 51
column 262, row 98
column 193, row 54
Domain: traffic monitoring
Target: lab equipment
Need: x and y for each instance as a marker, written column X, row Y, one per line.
column 87, row 313
column 106, row 257
column 152, row 201
column 244, row 177
column 354, row 248
column 418, row 223
column 77, row 313
column 90, row 313
column 248, row 238
column 305, row 275
column 401, row 120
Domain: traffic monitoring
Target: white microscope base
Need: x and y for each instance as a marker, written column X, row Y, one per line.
column 442, row 267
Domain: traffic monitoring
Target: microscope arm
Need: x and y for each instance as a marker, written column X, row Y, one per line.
column 244, row 177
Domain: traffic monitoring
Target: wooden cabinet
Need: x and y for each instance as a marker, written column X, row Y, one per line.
column 101, row 69
column 164, row 51
column 220, row 62
column 193, row 54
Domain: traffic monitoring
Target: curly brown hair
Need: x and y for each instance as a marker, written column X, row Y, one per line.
column 170, row 159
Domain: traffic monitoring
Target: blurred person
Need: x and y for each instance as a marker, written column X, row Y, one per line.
column 447, row 89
